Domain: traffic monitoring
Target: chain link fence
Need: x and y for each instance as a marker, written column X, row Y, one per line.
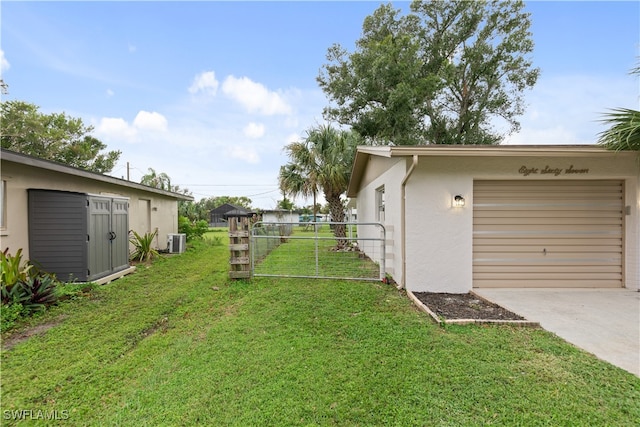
column 310, row 250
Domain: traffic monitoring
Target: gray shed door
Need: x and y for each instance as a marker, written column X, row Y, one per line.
column 58, row 233
column 548, row 233
column 108, row 235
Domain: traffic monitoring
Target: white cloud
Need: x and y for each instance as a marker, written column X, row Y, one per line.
column 4, row 64
column 249, row 155
column 110, row 93
column 204, row 82
column 255, row 97
column 150, row 121
column 254, row 130
column 116, row 128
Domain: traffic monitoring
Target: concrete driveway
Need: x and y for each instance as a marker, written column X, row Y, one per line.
column 604, row 322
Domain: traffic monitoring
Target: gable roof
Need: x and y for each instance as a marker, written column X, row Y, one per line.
column 24, row 159
column 364, row 153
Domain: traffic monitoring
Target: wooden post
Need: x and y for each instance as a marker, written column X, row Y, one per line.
column 240, row 264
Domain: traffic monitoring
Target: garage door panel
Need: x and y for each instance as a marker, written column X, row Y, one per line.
column 544, row 283
column 545, row 220
column 614, row 212
column 549, row 206
column 548, row 229
column 545, row 269
column 537, row 241
column 549, row 276
column 481, row 249
column 491, row 186
column 548, row 233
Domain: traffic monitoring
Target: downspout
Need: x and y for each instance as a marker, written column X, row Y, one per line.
column 403, row 225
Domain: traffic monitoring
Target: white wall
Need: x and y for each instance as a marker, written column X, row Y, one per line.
column 392, row 171
column 440, row 237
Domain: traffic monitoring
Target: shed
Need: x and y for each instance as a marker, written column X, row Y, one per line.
column 464, row 217
column 34, row 192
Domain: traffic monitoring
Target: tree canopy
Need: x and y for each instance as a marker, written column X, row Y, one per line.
column 54, row 136
column 200, row 210
column 443, row 74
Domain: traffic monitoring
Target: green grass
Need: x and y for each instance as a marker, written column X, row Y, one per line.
column 180, row 344
column 296, row 256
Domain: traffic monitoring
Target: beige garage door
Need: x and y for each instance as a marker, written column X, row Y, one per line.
column 547, row 234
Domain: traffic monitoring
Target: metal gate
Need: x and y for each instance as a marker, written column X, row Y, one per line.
column 311, row 250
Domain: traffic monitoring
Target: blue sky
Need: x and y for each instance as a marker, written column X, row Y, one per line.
column 211, row 92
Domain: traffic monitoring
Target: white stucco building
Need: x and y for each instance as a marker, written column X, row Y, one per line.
column 526, row 216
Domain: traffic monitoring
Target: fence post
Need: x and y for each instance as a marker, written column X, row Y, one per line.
column 239, row 261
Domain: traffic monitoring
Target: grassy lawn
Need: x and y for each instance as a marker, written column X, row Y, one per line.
column 180, row 344
column 306, row 251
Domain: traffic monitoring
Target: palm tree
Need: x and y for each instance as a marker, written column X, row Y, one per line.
column 157, row 180
column 322, row 161
column 624, row 130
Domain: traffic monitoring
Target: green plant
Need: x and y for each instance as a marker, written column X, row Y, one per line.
column 13, row 271
column 192, row 229
column 9, row 313
column 12, row 268
column 38, row 292
column 143, row 252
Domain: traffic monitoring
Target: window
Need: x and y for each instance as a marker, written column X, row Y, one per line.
column 3, row 204
column 380, row 204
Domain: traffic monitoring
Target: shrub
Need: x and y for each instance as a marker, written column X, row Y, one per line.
column 143, row 252
column 192, row 229
column 12, row 268
column 38, row 292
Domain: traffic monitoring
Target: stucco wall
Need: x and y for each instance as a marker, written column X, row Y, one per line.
column 163, row 213
column 391, row 170
column 439, row 237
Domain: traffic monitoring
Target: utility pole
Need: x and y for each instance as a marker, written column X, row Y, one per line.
column 128, row 171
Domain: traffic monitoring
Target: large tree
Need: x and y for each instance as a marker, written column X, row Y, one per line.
column 443, row 74
column 322, row 161
column 54, row 136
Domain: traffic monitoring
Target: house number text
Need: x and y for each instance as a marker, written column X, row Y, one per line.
column 547, row 170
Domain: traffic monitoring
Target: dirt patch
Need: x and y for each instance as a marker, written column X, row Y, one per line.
column 464, row 306
column 18, row 337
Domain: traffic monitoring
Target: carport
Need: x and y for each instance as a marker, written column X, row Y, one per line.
column 604, row 322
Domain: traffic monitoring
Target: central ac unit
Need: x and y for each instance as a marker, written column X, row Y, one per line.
column 176, row 243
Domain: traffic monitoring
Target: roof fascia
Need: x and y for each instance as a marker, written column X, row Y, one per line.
column 507, row 151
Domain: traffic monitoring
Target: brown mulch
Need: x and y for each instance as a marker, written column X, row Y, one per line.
column 464, row 306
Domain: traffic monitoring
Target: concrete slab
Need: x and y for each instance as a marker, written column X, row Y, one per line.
column 604, row 322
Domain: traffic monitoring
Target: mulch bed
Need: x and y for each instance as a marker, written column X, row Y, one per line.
column 464, row 306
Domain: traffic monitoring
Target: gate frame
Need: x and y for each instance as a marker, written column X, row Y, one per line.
column 383, row 248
